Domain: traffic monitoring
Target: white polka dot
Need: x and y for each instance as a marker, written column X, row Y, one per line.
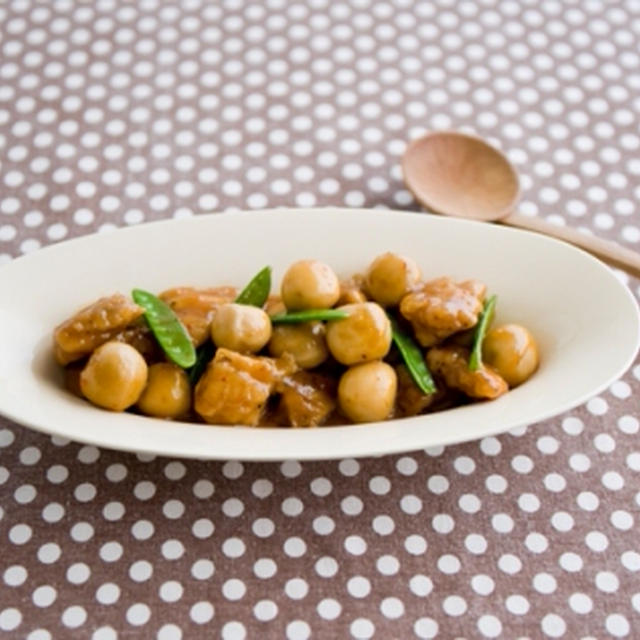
column 489, row 626
column 613, row 481
column 548, row 445
column 108, row 593
column 111, row 551
column 349, row 467
column 475, row 543
column 265, row 610
column 383, row 525
column 78, row 573
column 407, row 466
column 571, row 562
column 579, row 462
column 144, row 490
column 426, row 628
column 170, row 591
column 464, row 465
column 265, row 568
column 326, row 567
column 607, row 581
column 581, row 603
column 233, row 508
column 588, row 501
column 329, row 609
column 448, row 564
column 142, row 530
column 202, row 569
column 469, row 503
column 596, row 541
column 172, row 549
column 622, row 520
column 553, row 625
column 529, row 502
column 522, row 463
column 233, row 547
column 351, row 505
column 482, row 584
column 49, row 553
column 10, row 619
column 438, row 484
column 597, row 406
column 74, row 617
column 203, row 489
column 138, row 614
column 20, row 534
column 631, row 560
column 443, row 523
column 358, row 587
column 517, row 604
column 629, row 424
column 454, row 605
column 290, row 469
column 234, row 589
column 496, row 483
column 234, row 631
column 295, row 547
column 44, row 596
column 415, row 544
column 617, row 625
column 509, row 563
column 263, row 527
column 392, row 608
column 15, row 575
column 562, row 521
column 490, row 446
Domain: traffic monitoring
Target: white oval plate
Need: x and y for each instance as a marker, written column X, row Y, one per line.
column 585, row 320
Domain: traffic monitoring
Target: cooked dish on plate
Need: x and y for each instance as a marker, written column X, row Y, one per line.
column 383, row 344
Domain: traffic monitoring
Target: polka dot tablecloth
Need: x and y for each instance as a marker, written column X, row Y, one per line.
column 115, row 113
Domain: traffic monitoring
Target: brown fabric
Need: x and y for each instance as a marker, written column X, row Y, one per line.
column 115, row 113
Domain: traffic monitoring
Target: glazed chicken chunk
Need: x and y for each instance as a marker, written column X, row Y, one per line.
column 410, row 400
column 92, row 326
column 452, row 364
column 235, row 388
column 305, row 399
column 196, row 307
column 442, row 307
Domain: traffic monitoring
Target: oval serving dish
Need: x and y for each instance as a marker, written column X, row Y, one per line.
column 585, row 320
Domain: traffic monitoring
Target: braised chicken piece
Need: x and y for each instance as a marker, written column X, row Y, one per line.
column 196, row 307
column 442, row 307
column 352, row 291
column 274, row 305
column 139, row 335
column 234, row 388
column 451, row 363
column 410, row 400
column 307, row 399
column 92, row 326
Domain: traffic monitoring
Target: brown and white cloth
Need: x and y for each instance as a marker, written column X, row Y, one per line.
column 114, row 113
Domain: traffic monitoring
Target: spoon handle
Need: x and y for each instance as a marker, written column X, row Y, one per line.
column 610, row 252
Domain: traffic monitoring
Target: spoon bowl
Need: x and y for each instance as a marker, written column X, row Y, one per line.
column 461, row 175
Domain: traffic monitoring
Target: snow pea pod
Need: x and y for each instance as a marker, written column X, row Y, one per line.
column 413, row 358
column 258, row 289
column 475, row 360
column 204, row 354
column 167, row 328
column 308, row 315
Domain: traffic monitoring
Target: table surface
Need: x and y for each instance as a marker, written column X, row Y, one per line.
column 115, row 113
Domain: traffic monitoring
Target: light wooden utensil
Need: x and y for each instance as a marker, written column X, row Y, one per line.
column 461, row 175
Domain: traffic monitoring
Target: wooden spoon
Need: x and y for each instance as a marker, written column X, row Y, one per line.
column 461, row 175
